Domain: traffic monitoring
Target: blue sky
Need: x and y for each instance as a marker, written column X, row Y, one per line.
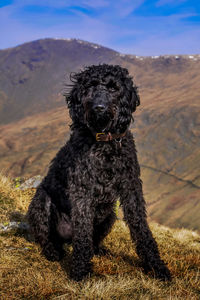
column 140, row 27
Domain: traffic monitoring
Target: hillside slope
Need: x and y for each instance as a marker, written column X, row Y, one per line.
column 26, row 274
column 166, row 128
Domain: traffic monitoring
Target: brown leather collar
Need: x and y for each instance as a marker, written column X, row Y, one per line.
column 107, row 137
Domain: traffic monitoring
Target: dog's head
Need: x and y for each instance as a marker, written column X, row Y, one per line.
column 103, row 97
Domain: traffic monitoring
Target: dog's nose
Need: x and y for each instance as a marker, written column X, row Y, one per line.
column 99, row 108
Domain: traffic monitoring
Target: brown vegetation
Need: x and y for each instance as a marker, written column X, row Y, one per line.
column 25, row 274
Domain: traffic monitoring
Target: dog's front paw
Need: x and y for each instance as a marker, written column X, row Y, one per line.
column 53, row 254
column 162, row 272
column 79, row 271
column 78, row 276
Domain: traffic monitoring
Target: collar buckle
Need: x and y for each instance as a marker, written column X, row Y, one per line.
column 99, row 136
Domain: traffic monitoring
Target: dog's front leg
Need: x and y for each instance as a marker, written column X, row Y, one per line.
column 82, row 240
column 146, row 246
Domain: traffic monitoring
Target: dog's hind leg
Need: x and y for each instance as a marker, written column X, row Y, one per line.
column 42, row 220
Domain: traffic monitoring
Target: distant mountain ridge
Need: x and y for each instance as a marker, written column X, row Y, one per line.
column 34, row 118
column 32, row 75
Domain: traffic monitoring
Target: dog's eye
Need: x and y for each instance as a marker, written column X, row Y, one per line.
column 94, row 82
column 112, row 87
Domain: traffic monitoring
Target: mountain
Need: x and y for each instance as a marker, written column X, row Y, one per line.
column 32, row 75
column 35, row 122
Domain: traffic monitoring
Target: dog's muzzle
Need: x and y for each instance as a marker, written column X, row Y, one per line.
column 99, row 108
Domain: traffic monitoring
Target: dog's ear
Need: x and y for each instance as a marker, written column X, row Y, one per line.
column 73, row 100
column 128, row 104
column 132, row 94
column 135, row 98
column 75, row 106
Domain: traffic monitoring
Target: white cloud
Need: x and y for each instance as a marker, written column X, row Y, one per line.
column 166, row 2
column 120, row 8
column 95, row 3
column 124, row 8
column 49, row 3
column 163, row 44
column 112, row 24
column 62, row 3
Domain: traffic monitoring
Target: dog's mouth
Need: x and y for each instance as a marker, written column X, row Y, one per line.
column 100, row 120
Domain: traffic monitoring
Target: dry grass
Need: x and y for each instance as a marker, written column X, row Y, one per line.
column 25, row 274
column 11, row 198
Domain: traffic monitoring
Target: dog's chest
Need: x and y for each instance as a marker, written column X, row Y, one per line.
column 105, row 161
column 99, row 172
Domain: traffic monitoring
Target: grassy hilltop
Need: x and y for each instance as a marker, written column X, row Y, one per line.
column 25, row 274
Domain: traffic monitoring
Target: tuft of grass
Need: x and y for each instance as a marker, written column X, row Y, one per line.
column 12, row 198
column 25, row 274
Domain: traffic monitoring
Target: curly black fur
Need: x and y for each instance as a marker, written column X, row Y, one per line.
column 75, row 201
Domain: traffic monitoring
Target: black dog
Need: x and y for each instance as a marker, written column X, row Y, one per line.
column 75, row 201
